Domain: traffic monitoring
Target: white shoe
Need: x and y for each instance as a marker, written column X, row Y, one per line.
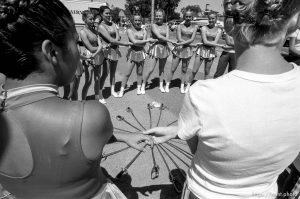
column 114, row 94
column 121, row 93
column 167, row 89
column 182, row 91
column 138, row 91
column 143, row 91
column 102, row 101
column 162, row 89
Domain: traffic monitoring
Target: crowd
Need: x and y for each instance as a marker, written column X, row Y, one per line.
column 100, row 53
column 242, row 127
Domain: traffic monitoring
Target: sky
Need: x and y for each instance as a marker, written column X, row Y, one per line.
column 214, row 4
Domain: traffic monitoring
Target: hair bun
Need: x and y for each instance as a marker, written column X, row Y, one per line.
column 268, row 13
column 10, row 10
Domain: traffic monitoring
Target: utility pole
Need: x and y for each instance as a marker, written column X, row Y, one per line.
column 152, row 11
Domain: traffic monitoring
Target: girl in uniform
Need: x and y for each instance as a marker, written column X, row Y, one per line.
column 159, row 51
column 110, row 36
column 136, row 53
column 210, row 36
column 93, row 50
column 183, row 51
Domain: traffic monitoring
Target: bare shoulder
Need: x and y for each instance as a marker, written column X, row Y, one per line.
column 96, row 129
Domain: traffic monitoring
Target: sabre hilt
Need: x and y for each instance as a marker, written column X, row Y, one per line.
column 121, row 173
column 155, row 172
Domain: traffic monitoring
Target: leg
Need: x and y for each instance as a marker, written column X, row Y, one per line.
column 125, row 78
column 208, row 64
column 75, row 88
column 222, row 64
column 162, row 64
column 67, row 91
column 88, row 71
column 232, row 62
column 139, row 76
column 147, row 75
column 175, row 63
column 97, row 82
column 185, row 64
column 197, row 64
column 113, row 68
column 104, row 74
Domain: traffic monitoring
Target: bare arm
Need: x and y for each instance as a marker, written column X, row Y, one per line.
column 210, row 43
column 159, row 36
column 86, row 42
column 189, row 41
column 136, row 41
column 292, row 49
column 179, row 39
column 114, row 41
column 229, row 40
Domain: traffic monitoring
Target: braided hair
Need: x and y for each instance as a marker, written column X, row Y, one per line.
column 24, row 25
column 261, row 21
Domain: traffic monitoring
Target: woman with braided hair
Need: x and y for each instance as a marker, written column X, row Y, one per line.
column 49, row 147
column 244, row 127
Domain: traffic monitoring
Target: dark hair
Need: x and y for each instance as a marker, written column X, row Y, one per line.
column 85, row 14
column 24, row 25
column 262, row 21
column 102, row 8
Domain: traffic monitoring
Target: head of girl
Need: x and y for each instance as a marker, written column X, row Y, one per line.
column 43, row 45
column 137, row 21
column 105, row 14
column 88, row 18
column 263, row 22
column 159, row 16
column 212, row 19
column 97, row 21
column 188, row 16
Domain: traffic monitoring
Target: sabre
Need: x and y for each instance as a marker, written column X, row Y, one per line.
column 149, row 107
column 121, row 118
column 178, row 142
column 155, row 168
column 180, row 150
column 129, row 110
column 104, row 156
column 171, row 177
column 172, row 123
column 176, row 165
column 183, row 161
column 125, row 169
column 123, row 130
column 161, row 108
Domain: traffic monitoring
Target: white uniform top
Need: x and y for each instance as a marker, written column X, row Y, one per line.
column 248, row 128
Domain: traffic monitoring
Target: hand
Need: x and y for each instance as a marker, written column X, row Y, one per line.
column 174, row 43
column 225, row 47
column 130, row 44
column 162, row 134
column 199, row 44
column 134, row 139
column 152, row 40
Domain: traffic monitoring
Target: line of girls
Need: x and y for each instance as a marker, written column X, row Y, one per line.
column 102, row 42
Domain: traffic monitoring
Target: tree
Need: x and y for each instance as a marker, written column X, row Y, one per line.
column 115, row 14
column 195, row 8
column 144, row 7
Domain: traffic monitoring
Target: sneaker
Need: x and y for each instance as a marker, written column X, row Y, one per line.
column 102, row 101
column 143, row 91
column 167, row 89
column 138, row 91
column 121, row 94
column 114, row 94
column 182, row 91
column 162, row 89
